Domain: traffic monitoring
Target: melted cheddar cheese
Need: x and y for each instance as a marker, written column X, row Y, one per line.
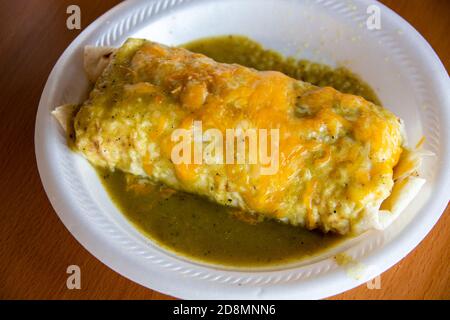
column 337, row 151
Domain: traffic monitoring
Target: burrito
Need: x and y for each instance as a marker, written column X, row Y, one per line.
column 324, row 159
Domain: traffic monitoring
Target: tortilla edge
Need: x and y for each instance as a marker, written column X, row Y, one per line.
column 402, row 194
column 63, row 114
column 96, row 59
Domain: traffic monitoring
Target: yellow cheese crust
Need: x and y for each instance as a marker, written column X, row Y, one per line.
column 337, row 151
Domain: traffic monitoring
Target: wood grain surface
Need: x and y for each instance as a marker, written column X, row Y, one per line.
column 35, row 247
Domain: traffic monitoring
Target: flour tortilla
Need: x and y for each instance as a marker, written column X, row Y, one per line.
column 379, row 218
column 406, row 186
column 96, row 59
column 64, row 114
column 402, row 194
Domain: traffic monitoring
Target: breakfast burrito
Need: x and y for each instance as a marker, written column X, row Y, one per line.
column 324, row 159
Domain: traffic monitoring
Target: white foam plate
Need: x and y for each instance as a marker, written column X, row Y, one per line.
column 396, row 61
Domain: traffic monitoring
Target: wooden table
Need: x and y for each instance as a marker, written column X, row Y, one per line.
column 35, row 247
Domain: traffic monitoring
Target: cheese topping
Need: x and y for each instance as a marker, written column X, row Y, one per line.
column 337, row 151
